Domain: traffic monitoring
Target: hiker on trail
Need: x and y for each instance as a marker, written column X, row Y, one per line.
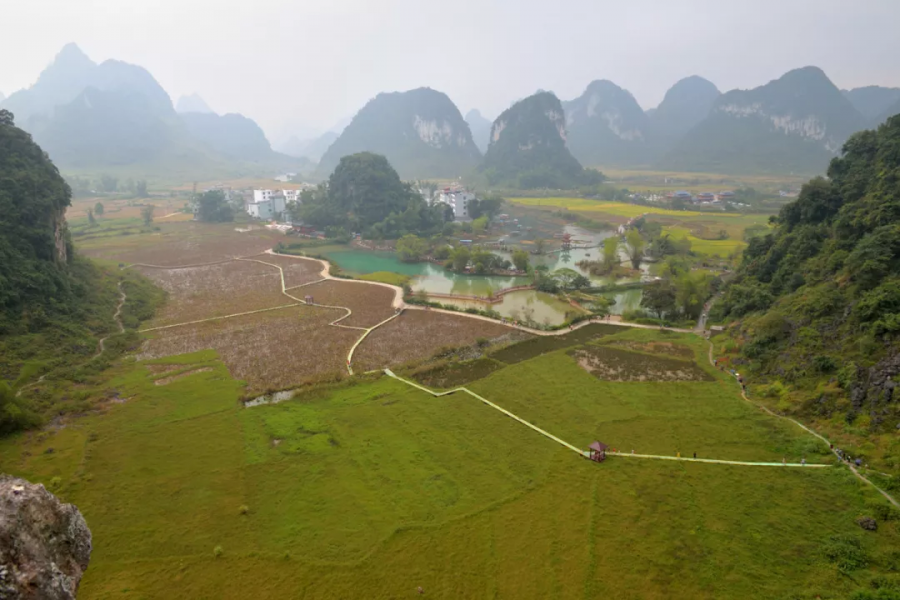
column 784, row 461
column 695, row 455
column 858, row 462
column 803, row 461
column 678, row 454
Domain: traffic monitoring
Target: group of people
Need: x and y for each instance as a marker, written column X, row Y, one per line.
column 847, row 458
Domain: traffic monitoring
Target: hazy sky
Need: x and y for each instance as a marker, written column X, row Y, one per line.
column 313, row 62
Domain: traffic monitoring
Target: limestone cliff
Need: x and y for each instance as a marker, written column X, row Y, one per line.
column 45, row 545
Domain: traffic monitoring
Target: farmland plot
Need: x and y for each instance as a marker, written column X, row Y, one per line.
column 612, row 364
column 418, row 334
column 371, row 304
column 183, row 243
column 215, row 290
column 297, row 270
column 271, row 350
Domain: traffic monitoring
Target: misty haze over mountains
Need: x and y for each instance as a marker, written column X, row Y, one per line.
column 94, row 116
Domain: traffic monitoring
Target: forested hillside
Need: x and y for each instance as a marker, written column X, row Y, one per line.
column 818, row 299
column 53, row 304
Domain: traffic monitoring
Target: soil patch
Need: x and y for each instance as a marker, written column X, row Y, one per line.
column 612, row 364
column 666, row 348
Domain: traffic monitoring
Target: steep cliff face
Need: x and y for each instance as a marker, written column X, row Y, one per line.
column 45, row 545
column 421, row 132
column 606, row 126
column 34, row 241
column 796, row 123
column 528, row 147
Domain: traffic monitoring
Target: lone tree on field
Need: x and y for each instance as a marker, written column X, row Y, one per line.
column 99, row 209
column 147, row 214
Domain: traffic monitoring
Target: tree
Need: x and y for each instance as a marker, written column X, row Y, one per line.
column 635, row 247
column 579, row 282
column 610, row 252
column 480, row 224
column 520, row 260
column 566, row 277
column 147, row 214
column 692, row 290
column 460, row 257
column 540, row 245
column 659, row 297
column 91, row 220
column 212, row 207
column 108, row 184
column 411, row 248
column 140, row 189
column 99, row 209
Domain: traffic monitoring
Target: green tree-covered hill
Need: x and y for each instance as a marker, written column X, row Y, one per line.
column 817, row 301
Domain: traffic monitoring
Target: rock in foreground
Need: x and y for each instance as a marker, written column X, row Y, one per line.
column 45, row 545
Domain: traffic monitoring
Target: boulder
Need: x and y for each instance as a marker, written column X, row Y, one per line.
column 45, row 545
column 867, row 523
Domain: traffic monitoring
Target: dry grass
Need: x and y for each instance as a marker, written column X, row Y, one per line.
column 182, row 243
column 611, row 364
column 371, row 304
column 274, row 350
column 418, row 334
column 297, row 271
column 215, row 290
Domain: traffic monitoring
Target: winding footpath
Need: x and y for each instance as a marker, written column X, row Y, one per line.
column 101, row 343
column 585, row 453
column 401, row 306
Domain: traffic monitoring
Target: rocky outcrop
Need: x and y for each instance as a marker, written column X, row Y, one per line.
column 45, row 545
column 874, row 389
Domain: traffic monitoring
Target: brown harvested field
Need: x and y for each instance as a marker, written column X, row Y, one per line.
column 215, row 291
column 297, row 271
column 371, row 304
column 271, row 350
column 182, row 243
column 418, row 334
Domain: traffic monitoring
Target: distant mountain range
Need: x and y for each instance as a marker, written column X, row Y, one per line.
column 421, row 132
column 115, row 115
column 311, row 149
column 480, row 128
column 796, row 123
column 192, row 104
column 528, row 148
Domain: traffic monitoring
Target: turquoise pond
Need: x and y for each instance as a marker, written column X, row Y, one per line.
column 431, row 278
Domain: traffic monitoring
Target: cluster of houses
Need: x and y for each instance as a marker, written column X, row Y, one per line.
column 456, row 197
column 702, row 197
column 266, row 205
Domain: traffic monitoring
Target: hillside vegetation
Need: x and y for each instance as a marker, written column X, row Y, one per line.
column 54, row 305
column 819, row 297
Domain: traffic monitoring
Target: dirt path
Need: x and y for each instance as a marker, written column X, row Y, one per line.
column 825, row 440
column 101, row 343
column 585, row 453
column 117, row 317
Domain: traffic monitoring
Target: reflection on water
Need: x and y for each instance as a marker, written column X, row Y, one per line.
column 435, row 279
column 527, row 305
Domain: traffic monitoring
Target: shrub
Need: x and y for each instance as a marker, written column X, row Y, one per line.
column 845, row 552
column 244, row 509
column 218, row 551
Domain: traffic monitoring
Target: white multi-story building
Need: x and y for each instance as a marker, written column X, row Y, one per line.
column 261, row 210
column 458, row 200
column 262, row 195
column 291, row 195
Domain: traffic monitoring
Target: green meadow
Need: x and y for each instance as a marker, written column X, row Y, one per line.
column 372, row 489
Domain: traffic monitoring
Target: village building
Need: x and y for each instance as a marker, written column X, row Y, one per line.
column 458, row 200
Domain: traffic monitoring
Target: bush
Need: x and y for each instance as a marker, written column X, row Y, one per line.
column 218, row 551
column 244, row 509
column 845, row 552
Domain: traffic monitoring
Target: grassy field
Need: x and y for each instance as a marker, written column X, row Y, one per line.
column 370, row 488
column 616, row 209
column 663, row 181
